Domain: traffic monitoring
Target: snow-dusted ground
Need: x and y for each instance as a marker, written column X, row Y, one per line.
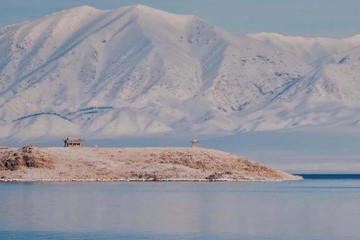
column 135, row 164
column 138, row 71
column 326, row 150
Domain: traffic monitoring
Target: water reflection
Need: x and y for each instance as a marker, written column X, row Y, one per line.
column 282, row 210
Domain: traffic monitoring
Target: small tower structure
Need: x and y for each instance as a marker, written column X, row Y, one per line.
column 73, row 142
column 195, row 143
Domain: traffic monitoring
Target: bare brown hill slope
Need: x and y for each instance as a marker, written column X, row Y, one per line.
column 32, row 163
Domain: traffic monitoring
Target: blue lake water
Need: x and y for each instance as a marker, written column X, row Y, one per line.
column 316, row 208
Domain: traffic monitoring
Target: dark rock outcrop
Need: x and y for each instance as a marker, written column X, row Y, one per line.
column 28, row 156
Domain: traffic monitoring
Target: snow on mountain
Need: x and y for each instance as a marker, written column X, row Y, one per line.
column 310, row 50
column 138, row 70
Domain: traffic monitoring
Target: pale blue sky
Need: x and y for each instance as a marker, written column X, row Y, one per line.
column 327, row 18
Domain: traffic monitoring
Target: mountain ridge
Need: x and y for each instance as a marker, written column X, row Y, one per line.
column 137, row 70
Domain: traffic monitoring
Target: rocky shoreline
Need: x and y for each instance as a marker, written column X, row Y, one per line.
column 35, row 164
column 134, row 180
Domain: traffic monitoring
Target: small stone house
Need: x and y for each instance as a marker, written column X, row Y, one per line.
column 73, row 142
column 195, row 143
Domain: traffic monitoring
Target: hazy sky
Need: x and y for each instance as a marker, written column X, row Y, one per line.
column 329, row 18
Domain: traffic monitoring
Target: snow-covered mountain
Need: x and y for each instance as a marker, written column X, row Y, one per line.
column 138, row 70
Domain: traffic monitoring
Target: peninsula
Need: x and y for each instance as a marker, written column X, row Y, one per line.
column 31, row 164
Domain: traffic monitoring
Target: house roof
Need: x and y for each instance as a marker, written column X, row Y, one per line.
column 73, row 139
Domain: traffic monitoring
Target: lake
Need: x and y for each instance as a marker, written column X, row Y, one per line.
column 316, row 208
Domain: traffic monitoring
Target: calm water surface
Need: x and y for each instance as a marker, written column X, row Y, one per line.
column 320, row 209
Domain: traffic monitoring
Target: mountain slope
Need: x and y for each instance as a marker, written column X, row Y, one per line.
column 137, row 70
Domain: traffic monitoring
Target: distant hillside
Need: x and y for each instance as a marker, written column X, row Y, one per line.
column 138, row 70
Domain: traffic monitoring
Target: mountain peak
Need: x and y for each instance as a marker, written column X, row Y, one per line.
column 143, row 10
column 80, row 9
column 84, row 8
column 141, row 70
